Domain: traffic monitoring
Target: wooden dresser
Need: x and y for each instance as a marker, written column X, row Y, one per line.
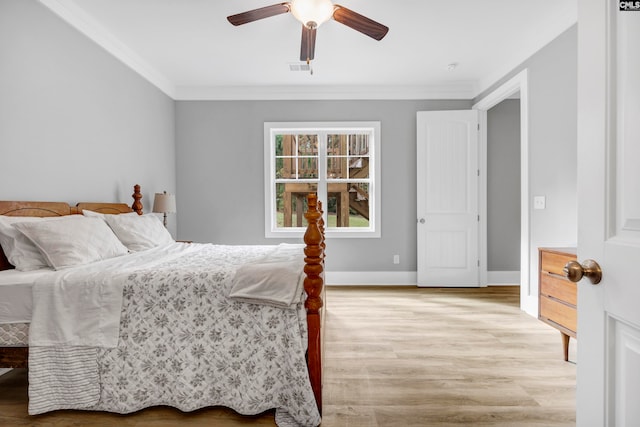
column 557, row 296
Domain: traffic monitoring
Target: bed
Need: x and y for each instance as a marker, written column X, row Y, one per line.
column 177, row 324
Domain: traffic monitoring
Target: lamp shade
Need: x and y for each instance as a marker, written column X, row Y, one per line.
column 164, row 203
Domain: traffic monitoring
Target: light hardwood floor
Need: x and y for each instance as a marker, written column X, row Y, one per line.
column 399, row 357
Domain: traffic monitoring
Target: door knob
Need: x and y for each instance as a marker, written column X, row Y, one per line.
column 590, row 269
column 421, row 220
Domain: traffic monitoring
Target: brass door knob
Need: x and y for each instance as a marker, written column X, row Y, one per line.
column 590, row 269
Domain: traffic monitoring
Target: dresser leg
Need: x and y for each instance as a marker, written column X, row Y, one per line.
column 565, row 345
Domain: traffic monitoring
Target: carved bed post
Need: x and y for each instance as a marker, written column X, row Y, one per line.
column 137, row 204
column 321, row 228
column 313, row 283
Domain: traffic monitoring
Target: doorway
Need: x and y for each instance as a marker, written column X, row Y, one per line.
column 518, row 83
column 503, row 192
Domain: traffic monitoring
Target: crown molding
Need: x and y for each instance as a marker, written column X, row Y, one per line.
column 459, row 90
column 84, row 23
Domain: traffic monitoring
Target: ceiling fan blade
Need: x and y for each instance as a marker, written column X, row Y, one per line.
column 256, row 14
column 359, row 23
column 308, row 45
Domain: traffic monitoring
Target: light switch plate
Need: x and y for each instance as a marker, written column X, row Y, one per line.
column 539, row 202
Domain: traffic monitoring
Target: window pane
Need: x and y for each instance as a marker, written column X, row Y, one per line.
column 308, row 145
column 285, row 145
column 359, row 145
column 291, row 203
column 359, row 167
column 337, row 145
column 286, row 167
column 336, row 167
column 348, row 205
column 307, row 167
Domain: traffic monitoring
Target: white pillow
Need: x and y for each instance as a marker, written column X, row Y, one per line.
column 139, row 232
column 20, row 251
column 73, row 240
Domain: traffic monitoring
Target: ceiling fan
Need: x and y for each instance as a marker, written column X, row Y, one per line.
column 312, row 13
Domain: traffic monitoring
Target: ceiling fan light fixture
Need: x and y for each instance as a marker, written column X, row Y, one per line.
column 312, row 11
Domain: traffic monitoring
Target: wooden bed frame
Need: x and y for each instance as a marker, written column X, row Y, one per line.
column 17, row 357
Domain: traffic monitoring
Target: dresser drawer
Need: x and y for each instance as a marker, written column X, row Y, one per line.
column 554, row 262
column 559, row 313
column 557, row 296
column 558, row 288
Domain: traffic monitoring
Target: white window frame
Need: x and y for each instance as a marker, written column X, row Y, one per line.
column 271, row 129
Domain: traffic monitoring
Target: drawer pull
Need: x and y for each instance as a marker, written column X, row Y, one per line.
column 590, row 269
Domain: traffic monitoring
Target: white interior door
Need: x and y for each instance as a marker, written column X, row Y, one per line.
column 448, row 221
column 608, row 383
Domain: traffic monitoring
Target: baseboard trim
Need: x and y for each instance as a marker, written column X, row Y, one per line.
column 404, row 278
column 497, row 278
column 377, row 278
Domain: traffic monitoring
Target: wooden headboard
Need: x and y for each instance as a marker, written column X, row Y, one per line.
column 51, row 209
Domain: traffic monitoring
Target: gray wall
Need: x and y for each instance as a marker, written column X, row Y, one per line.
column 220, row 173
column 219, row 151
column 503, row 186
column 75, row 123
column 552, row 74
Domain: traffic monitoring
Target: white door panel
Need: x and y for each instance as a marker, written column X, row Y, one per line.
column 608, row 382
column 447, row 162
column 626, row 377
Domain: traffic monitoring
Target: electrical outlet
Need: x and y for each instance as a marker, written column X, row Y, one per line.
column 396, row 259
column 539, row 202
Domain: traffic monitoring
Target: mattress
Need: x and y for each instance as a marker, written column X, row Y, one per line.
column 15, row 294
column 15, row 306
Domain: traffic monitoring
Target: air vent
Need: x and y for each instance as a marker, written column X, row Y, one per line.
column 299, row 66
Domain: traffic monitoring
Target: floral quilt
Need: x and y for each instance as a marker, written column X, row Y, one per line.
column 184, row 343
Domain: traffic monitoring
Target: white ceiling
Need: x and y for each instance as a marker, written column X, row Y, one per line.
column 189, row 50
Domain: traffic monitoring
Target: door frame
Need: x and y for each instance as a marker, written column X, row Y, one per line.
column 519, row 82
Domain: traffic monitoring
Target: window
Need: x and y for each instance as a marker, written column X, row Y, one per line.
column 340, row 161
